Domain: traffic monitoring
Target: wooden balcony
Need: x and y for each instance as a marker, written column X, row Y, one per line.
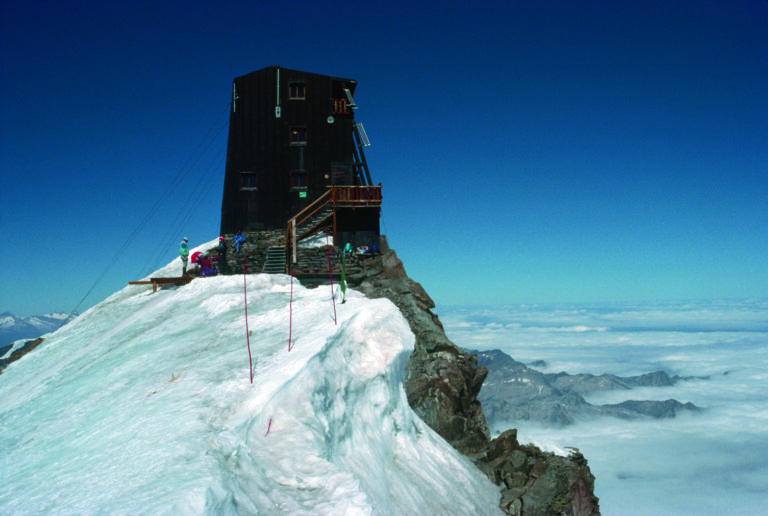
column 354, row 196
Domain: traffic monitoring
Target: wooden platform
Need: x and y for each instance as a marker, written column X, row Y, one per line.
column 181, row 280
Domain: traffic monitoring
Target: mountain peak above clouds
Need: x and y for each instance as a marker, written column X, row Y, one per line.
column 516, row 392
column 14, row 327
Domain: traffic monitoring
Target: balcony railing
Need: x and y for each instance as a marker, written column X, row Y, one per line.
column 356, row 195
column 340, row 107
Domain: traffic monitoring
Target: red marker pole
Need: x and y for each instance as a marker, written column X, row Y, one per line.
column 247, row 333
column 330, row 274
column 290, row 313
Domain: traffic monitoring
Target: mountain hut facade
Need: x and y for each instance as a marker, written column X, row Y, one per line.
column 295, row 159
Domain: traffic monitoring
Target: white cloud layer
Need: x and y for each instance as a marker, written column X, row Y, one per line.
column 713, row 462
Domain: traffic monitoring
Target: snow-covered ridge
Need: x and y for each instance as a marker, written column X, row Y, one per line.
column 144, row 405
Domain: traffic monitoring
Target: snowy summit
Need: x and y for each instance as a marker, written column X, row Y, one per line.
column 13, row 328
column 144, row 405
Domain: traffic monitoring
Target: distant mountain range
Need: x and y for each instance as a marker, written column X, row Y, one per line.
column 515, row 392
column 13, row 327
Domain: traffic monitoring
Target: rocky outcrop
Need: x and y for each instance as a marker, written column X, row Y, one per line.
column 19, row 352
column 540, row 483
column 442, row 383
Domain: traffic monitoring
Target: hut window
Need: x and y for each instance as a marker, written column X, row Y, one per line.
column 298, row 136
column 299, row 181
column 248, row 181
column 296, row 91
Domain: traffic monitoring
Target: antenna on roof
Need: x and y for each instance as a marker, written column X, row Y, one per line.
column 277, row 90
column 234, row 98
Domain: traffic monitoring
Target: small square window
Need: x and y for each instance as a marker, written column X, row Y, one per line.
column 299, row 181
column 296, row 91
column 298, row 136
column 248, row 181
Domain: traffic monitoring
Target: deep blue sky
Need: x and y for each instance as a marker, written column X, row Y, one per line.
column 529, row 151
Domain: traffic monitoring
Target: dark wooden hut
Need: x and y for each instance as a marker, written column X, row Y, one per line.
column 295, row 158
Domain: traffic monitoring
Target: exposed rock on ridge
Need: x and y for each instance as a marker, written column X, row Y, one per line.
column 442, row 383
column 19, row 352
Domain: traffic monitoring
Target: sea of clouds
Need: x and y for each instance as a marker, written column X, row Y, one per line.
column 712, row 462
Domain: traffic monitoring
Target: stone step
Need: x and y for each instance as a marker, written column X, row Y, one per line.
column 264, row 252
column 274, row 262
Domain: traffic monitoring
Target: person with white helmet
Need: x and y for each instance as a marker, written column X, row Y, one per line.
column 184, row 255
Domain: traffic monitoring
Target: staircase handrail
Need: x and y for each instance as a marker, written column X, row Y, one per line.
column 313, row 207
column 336, row 196
column 307, row 213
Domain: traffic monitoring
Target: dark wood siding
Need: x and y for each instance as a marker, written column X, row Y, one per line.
column 259, row 143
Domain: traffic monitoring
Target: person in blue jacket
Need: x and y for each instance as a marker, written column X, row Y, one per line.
column 239, row 239
column 184, row 255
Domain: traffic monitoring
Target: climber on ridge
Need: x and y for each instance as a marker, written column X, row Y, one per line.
column 184, row 255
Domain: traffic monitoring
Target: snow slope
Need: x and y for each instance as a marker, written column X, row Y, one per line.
column 143, row 405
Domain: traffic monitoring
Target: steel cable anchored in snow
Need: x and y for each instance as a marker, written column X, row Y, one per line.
column 174, row 185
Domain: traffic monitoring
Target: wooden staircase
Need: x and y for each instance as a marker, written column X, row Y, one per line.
column 322, row 213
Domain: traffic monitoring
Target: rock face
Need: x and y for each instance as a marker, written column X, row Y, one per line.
column 442, row 383
column 515, row 392
column 539, row 483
